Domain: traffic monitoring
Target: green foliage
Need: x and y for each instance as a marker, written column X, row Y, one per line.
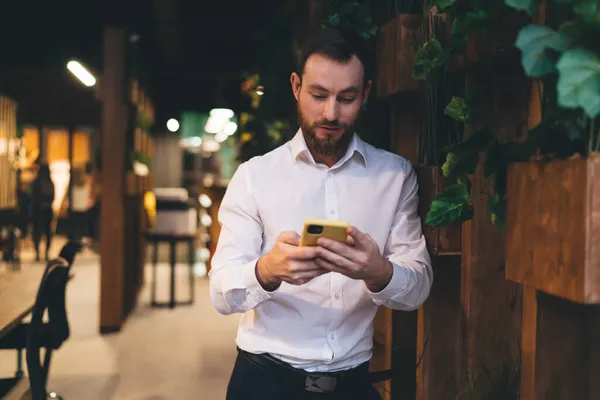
column 354, row 15
column 579, row 81
column 431, row 55
column 565, row 61
column 451, row 204
column 458, row 109
column 533, row 40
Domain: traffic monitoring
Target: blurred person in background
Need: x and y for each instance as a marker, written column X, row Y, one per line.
column 43, row 215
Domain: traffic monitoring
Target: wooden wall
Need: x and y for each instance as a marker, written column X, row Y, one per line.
column 123, row 220
column 8, row 147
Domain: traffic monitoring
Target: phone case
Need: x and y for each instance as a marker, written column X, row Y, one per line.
column 335, row 230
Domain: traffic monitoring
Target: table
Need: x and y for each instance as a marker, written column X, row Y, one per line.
column 19, row 290
column 172, row 239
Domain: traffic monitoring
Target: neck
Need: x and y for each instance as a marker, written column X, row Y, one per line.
column 329, row 160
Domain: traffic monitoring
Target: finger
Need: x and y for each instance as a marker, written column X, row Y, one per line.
column 304, row 277
column 303, row 266
column 343, row 249
column 300, row 253
column 350, row 241
column 334, row 258
column 329, row 266
column 358, row 236
column 289, row 237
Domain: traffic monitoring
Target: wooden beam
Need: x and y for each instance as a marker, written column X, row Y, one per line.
column 491, row 304
column 114, row 129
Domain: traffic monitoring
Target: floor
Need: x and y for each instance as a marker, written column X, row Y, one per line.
column 160, row 354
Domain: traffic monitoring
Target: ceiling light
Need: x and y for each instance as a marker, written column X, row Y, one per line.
column 221, row 137
column 205, row 201
column 230, row 128
column 81, row 73
column 224, row 113
column 173, row 125
column 211, row 146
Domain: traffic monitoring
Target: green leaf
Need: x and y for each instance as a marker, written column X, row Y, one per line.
column 525, row 5
column 462, row 158
column 533, row 40
column 431, row 55
column 450, row 206
column 334, row 19
column 579, row 81
column 457, row 109
column 457, row 167
column 443, row 4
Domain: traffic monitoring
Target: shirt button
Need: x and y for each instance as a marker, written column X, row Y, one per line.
column 332, row 211
column 336, row 296
column 332, row 336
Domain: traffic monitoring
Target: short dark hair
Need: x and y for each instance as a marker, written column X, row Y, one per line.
column 338, row 44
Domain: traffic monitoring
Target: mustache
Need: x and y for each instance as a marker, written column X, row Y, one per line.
column 329, row 124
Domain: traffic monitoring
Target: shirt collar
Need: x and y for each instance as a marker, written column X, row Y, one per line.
column 300, row 149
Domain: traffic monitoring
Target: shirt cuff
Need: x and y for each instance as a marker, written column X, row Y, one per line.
column 254, row 291
column 395, row 286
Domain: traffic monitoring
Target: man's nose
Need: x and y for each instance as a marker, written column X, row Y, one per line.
column 331, row 111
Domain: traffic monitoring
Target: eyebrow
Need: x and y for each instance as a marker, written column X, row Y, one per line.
column 350, row 90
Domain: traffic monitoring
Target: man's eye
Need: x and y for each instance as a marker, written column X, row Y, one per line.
column 347, row 99
column 319, row 96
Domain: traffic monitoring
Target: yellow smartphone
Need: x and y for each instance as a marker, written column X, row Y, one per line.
column 316, row 228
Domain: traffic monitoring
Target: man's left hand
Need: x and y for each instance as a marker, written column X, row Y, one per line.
column 358, row 258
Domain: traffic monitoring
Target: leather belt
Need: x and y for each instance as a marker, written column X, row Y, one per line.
column 320, row 382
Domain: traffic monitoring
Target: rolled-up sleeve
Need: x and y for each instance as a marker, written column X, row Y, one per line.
column 407, row 251
column 234, row 287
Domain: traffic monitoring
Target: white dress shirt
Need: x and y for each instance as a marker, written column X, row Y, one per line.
column 327, row 323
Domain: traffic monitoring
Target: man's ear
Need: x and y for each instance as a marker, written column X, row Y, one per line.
column 367, row 91
column 296, row 83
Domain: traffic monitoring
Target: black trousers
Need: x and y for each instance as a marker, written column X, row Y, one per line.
column 250, row 381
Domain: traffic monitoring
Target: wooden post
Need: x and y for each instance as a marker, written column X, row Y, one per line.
column 114, row 127
column 492, row 305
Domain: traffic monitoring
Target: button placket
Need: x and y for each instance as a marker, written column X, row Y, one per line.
column 331, row 203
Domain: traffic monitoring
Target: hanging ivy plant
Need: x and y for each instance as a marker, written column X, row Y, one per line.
column 354, row 15
column 566, row 63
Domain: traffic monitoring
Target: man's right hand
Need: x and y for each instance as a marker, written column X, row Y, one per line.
column 287, row 262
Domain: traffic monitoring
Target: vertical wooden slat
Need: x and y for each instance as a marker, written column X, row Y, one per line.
column 8, row 137
column 114, row 127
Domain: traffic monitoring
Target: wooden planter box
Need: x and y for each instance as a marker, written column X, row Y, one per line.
column 440, row 241
column 396, row 44
column 553, row 227
column 497, row 44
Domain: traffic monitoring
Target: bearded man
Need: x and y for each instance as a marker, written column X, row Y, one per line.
column 307, row 325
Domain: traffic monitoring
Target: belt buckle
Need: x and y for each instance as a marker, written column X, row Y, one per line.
column 320, row 384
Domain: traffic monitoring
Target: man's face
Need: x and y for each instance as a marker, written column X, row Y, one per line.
column 330, row 96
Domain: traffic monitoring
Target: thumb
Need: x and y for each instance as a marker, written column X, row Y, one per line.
column 358, row 236
column 289, row 237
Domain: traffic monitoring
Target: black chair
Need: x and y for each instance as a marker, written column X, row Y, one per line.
column 38, row 334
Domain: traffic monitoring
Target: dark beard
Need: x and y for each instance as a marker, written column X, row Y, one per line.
column 329, row 146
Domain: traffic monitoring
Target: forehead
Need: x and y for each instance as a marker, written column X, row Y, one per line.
column 333, row 74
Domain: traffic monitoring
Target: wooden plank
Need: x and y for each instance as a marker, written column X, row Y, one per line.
column 492, row 305
column 406, row 113
column 445, row 240
column 404, row 354
column 528, row 343
column 567, row 358
column 114, row 128
column 558, row 204
column 396, row 44
column 439, row 334
column 382, row 348
column 19, row 290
